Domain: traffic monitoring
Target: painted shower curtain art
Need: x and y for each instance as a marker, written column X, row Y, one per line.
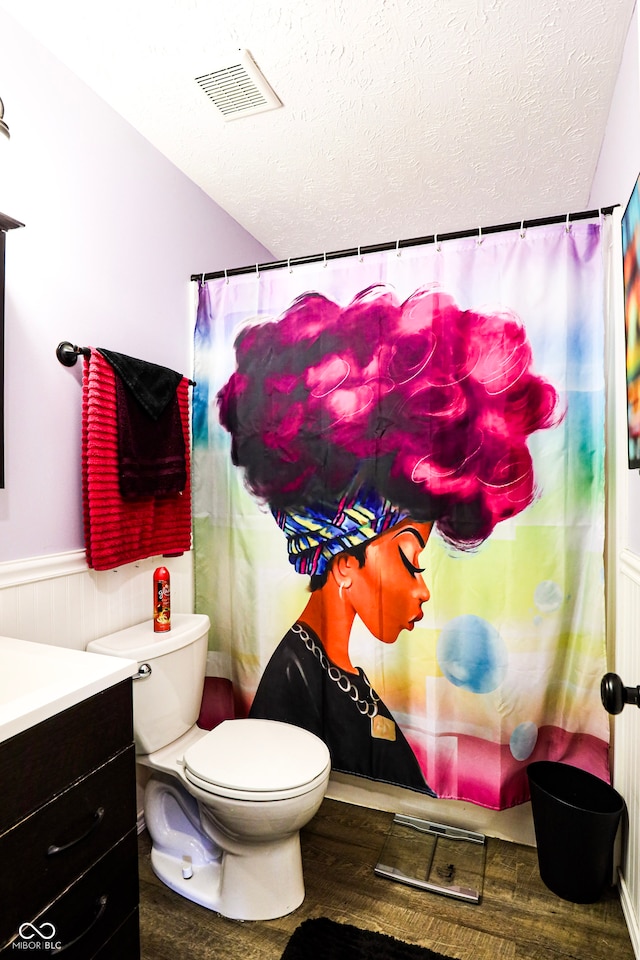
column 399, row 508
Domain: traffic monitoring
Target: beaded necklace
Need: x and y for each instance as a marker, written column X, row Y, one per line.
column 382, row 728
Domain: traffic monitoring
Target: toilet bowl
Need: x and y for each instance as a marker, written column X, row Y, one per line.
column 224, row 807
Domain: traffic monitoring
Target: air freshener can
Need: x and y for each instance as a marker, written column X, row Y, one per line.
column 161, row 600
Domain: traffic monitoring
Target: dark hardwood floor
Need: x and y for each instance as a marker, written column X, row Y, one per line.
column 518, row 918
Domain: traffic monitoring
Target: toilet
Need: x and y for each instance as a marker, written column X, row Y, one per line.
column 223, row 807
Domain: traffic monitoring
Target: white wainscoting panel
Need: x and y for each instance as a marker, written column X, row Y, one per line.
column 626, row 765
column 59, row 600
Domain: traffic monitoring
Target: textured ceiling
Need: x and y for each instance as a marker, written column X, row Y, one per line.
column 400, row 118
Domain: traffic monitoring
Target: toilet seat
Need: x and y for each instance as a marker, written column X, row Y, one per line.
column 257, row 760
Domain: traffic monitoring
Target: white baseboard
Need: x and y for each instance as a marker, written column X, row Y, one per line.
column 630, row 916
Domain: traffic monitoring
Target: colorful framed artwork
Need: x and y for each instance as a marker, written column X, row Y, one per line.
column 631, row 273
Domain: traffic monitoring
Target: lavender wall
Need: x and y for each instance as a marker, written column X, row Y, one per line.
column 619, row 160
column 113, row 233
column 618, row 168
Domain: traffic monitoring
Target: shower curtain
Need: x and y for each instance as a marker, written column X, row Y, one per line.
column 501, row 663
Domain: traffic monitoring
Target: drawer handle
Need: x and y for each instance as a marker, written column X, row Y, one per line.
column 97, row 820
column 101, row 904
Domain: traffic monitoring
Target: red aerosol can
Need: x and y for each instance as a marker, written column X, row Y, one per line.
column 161, row 600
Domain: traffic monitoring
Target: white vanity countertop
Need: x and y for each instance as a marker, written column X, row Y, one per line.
column 38, row 680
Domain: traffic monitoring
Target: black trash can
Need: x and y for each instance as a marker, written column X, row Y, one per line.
column 575, row 817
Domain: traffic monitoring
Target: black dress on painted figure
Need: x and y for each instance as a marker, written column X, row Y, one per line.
column 301, row 686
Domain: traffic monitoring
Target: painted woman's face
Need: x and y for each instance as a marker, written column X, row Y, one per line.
column 388, row 592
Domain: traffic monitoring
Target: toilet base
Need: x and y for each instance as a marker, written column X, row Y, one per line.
column 201, row 887
column 263, row 884
column 256, row 879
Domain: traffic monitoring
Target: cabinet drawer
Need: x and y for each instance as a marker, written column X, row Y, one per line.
column 42, row 761
column 90, row 912
column 45, row 853
column 125, row 943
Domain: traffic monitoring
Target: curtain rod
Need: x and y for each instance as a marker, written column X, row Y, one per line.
column 401, row 244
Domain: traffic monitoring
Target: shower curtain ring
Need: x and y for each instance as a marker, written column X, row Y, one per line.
column 479, row 240
column 522, row 230
column 226, row 278
column 359, row 255
column 438, row 245
column 257, row 271
column 289, row 265
column 398, row 254
column 567, row 226
column 325, row 259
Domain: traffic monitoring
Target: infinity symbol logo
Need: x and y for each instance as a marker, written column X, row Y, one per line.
column 24, row 927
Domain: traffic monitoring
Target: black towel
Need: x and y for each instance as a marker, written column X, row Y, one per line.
column 151, row 446
column 153, row 386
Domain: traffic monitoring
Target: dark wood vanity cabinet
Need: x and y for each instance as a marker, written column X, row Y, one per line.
column 68, row 839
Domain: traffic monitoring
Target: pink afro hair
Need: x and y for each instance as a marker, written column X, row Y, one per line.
column 428, row 405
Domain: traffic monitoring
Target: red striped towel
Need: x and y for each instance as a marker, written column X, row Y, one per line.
column 121, row 531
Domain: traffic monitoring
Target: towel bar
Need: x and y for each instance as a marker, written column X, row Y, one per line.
column 67, row 353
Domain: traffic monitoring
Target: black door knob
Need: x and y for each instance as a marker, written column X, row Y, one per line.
column 615, row 695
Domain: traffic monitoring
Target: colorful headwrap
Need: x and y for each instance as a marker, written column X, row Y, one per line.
column 315, row 535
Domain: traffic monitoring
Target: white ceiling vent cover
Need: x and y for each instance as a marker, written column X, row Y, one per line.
column 239, row 90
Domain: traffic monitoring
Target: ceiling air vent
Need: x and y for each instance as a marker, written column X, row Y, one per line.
column 239, row 90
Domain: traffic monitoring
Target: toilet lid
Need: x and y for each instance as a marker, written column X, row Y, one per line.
column 258, row 757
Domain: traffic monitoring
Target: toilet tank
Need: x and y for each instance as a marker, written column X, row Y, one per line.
column 166, row 702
